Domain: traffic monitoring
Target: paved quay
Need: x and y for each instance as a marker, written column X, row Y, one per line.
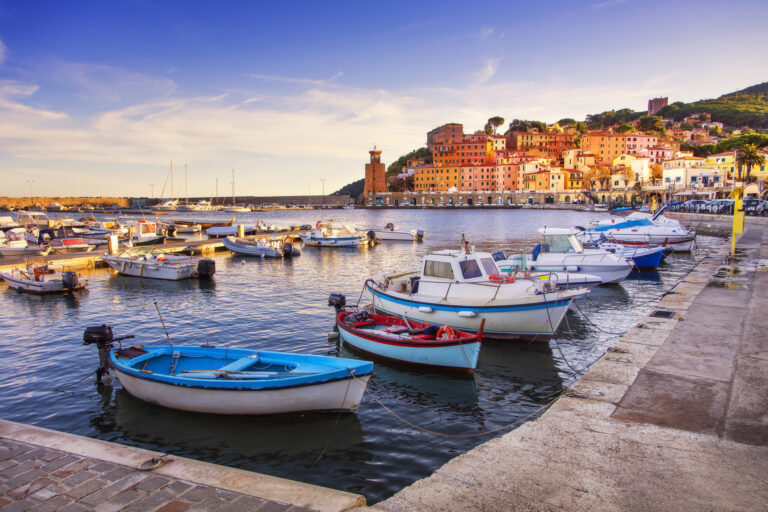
column 674, row 417
column 45, row 470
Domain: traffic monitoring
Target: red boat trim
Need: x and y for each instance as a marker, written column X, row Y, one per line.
column 403, row 343
column 450, row 369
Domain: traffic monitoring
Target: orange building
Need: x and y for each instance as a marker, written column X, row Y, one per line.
column 429, row 178
column 540, row 143
column 538, row 180
column 375, row 180
column 604, row 145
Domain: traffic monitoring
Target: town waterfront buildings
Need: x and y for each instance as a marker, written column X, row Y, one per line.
column 558, row 165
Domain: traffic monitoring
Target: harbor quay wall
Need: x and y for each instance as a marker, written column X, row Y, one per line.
column 100, row 201
column 467, row 199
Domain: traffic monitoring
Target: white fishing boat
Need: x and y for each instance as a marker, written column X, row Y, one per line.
column 334, row 234
column 561, row 251
column 143, row 232
column 43, row 280
column 7, row 223
column 169, row 205
column 262, row 248
column 13, row 242
column 233, row 230
column 461, row 288
column 228, row 380
column 187, row 229
column 158, row 265
column 388, row 233
column 236, row 208
column 70, row 244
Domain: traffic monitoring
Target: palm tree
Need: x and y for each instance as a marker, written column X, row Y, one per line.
column 748, row 156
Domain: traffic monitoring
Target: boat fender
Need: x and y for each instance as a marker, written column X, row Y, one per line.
column 497, row 278
column 572, row 268
column 467, row 314
column 446, row 332
column 425, row 309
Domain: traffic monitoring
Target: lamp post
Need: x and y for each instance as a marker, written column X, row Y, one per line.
column 31, row 202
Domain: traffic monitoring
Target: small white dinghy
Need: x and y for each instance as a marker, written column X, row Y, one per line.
column 43, row 280
column 389, row 234
column 225, row 380
column 275, row 248
column 158, row 265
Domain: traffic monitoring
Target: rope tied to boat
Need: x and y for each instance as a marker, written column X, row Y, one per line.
column 544, row 407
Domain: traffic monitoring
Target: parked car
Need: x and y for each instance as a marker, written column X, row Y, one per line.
column 750, row 205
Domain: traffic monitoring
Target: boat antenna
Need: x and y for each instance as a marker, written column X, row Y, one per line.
column 465, row 244
column 163, row 322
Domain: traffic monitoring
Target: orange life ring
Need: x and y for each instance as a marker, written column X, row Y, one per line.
column 497, row 278
column 448, row 331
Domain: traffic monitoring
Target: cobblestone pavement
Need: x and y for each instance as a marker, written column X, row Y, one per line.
column 43, row 479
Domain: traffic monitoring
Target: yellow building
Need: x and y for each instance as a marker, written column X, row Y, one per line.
column 538, row 181
column 604, row 145
column 435, row 178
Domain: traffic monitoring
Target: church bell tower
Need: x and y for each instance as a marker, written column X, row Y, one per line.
column 375, row 180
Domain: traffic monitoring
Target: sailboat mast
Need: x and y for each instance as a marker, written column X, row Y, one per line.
column 233, row 187
column 217, row 191
column 171, row 180
column 186, row 184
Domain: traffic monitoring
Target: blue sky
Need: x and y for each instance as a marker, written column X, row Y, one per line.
column 98, row 97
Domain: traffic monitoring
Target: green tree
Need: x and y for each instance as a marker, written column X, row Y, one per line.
column 650, row 123
column 567, row 121
column 748, row 156
column 494, row 122
column 714, row 131
column 623, row 128
column 686, row 126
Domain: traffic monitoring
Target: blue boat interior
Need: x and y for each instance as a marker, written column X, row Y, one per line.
column 195, row 365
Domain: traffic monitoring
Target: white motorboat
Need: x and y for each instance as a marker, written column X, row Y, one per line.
column 169, row 205
column 641, row 233
column 158, row 265
column 70, row 244
column 188, row 229
column 32, row 218
column 143, row 232
column 200, row 206
column 7, row 223
column 561, row 251
column 334, row 234
column 461, row 288
column 262, row 248
column 14, row 243
column 56, row 207
column 389, row 234
column 233, row 230
column 43, row 280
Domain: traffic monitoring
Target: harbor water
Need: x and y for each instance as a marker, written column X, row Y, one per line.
column 48, row 375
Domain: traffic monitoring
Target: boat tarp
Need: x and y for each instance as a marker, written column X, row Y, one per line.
column 623, row 225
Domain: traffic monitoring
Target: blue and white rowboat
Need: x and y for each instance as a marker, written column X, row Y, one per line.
column 222, row 380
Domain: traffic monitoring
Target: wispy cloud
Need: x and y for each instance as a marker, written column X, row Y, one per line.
column 293, row 80
column 3, row 52
column 487, row 72
column 608, row 3
column 109, row 84
column 486, row 31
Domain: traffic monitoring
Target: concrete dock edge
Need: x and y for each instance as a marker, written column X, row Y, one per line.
column 282, row 492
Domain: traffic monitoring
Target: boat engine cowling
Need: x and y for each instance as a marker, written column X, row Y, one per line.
column 206, row 268
column 70, row 280
column 419, row 235
column 338, row 301
column 98, row 334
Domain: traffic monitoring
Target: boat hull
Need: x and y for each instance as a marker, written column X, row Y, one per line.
column 339, row 395
column 459, row 356
column 535, row 320
column 684, row 244
column 40, row 287
column 313, row 241
column 609, row 274
column 251, row 250
column 159, row 240
column 150, row 270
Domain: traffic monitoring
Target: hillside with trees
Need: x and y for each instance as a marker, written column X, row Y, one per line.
column 747, row 107
column 354, row 189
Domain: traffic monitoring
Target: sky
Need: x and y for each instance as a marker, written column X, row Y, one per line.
column 99, row 97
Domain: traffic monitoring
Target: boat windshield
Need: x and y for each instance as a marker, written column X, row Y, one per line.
column 439, row 269
column 561, row 243
column 470, row 269
column 489, row 266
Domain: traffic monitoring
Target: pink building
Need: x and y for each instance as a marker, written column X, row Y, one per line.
column 638, row 140
column 657, row 154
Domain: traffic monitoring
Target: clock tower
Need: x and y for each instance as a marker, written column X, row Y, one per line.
column 375, row 180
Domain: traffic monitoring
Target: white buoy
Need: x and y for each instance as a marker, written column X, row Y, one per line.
column 333, row 335
column 107, row 380
column 242, row 262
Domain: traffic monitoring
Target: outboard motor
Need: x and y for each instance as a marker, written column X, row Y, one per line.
column 338, row 301
column 206, row 268
column 288, row 248
column 419, row 235
column 390, row 226
column 70, row 280
column 102, row 336
column 372, row 237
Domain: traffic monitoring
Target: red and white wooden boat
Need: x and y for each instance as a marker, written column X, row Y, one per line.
column 410, row 342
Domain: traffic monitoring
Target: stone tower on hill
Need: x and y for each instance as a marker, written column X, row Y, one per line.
column 375, row 180
column 656, row 104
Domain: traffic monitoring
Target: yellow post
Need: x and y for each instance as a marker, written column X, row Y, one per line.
column 738, row 221
column 654, row 205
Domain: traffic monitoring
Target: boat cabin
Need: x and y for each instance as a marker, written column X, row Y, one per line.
column 32, row 217
column 458, row 266
column 557, row 240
